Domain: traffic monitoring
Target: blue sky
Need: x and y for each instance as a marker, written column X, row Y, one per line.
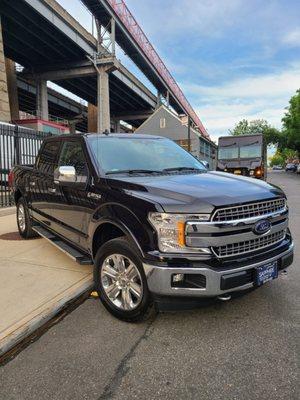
column 233, row 59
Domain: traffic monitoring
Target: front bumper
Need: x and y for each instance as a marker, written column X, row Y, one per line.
column 160, row 278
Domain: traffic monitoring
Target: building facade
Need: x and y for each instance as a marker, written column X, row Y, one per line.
column 164, row 122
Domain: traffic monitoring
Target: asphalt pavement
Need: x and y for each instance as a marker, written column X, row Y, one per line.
column 247, row 348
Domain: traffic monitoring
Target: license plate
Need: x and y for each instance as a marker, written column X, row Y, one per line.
column 237, row 171
column 266, row 273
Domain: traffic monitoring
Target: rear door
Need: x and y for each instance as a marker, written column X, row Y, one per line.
column 41, row 183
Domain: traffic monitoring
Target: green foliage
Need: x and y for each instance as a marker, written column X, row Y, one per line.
column 281, row 157
column 271, row 135
column 289, row 154
column 291, row 123
column 277, row 159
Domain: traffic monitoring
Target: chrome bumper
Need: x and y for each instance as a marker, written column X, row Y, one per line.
column 159, row 278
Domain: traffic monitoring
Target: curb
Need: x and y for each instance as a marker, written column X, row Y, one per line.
column 22, row 329
column 7, row 211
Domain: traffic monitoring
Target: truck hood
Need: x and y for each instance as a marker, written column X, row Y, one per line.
column 196, row 193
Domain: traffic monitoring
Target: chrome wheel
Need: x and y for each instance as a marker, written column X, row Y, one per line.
column 21, row 218
column 122, row 282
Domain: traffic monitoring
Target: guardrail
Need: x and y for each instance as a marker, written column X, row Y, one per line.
column 18, row 145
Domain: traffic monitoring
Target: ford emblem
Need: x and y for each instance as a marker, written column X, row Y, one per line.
column 262, row 227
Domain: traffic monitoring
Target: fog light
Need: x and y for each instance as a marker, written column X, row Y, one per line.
column 177, row 278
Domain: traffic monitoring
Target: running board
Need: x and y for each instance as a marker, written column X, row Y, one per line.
column 76, row 255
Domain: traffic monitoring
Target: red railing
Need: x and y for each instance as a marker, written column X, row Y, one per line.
column 140, row 38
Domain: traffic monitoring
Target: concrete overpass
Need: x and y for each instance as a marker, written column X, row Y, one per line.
column 51, row 45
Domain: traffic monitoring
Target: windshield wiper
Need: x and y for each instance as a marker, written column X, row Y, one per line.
column 133, row 171
column 182, row 169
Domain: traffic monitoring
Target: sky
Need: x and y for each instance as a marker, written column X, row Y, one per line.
column 233, row 59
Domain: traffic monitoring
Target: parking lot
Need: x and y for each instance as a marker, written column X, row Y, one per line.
column 247, row 348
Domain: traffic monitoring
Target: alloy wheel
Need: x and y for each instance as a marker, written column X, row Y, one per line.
column 21, row 218
column 122, row 282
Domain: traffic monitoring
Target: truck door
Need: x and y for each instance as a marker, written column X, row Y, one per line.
column 41, row 182
column 68, row 211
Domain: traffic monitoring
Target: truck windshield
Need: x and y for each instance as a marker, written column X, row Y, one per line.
column 228, row 153
column 117, row 155
column 252, row 151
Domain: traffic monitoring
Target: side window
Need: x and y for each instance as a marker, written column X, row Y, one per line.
column 46, row 161
column 72, row 155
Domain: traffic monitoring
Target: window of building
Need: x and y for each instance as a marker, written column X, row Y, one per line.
column 162, row 123
column 202, row 146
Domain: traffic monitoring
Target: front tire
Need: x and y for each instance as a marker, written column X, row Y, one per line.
column 121, row 282
column 24, row 221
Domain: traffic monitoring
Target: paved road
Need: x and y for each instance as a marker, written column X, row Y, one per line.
column 244, row 349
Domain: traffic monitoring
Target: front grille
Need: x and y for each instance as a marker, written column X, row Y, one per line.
column 234, row 249
column 249, row 210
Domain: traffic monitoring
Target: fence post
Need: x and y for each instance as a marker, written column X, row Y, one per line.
column 17, row 155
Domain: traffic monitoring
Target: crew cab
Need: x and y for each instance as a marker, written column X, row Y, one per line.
column 157, row 226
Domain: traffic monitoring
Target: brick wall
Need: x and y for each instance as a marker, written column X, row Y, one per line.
column 4, row 103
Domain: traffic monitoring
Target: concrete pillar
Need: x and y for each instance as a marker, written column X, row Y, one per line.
column 12, row 87
column 103, row 100
column 158, row 100
column 92, row 118
column 4, row 101
column 42, row 99
column 168, row 99
column 117, row 126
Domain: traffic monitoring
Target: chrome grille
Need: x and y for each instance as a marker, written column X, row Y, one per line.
column 249, row 210
column 234, row 249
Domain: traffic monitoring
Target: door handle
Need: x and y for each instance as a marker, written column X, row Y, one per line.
column 51, row 190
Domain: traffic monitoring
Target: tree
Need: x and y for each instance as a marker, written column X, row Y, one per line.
column 291, row 123
column 277, row 159
column 271, row 135
column 281, row 157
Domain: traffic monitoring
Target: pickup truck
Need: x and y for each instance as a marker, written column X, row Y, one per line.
column 157, row 226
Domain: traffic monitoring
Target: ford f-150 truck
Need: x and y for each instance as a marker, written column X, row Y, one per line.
column 154, row 222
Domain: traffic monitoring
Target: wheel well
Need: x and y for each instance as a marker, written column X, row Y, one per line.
column 17, row 196
column 104, row 233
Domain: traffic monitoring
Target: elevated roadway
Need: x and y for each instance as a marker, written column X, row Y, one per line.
column 42, row 37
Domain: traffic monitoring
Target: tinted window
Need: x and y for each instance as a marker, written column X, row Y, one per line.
column 116, row 154
column 72, row 155
column 47, row 158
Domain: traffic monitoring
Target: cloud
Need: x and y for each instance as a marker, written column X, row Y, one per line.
column 220, row 107
column 269, row 85
column 292, row 38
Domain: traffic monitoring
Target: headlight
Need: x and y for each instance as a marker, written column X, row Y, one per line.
column 170, row 229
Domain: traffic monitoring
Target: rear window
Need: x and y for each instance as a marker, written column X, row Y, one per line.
column 46, row 162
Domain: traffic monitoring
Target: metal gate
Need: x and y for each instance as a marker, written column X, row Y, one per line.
column 18, row 145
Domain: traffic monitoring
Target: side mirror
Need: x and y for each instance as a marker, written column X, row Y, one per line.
column 65, row 174
column 205, row 163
